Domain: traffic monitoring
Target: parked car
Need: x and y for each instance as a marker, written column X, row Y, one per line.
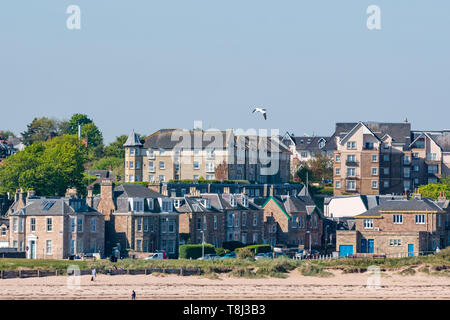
column 209, row 257
column 267, row 255
column 157, row 256
column 228, row 255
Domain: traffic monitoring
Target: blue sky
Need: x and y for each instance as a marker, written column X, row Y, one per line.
column 147, row 64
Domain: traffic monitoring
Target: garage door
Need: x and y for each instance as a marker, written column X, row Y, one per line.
column 345, row 250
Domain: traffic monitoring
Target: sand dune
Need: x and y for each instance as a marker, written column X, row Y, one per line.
column 341, row 286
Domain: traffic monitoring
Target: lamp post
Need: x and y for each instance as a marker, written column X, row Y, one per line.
column 203, row 244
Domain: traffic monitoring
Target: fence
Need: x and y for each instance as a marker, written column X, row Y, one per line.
column 10, row 274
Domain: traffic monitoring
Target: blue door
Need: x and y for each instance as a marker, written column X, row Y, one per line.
column 363, row 245
column 410, row 250
column 371, row 246
column 345, row 250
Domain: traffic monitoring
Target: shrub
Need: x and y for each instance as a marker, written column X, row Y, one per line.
column 232, row 245
column 194, row 251
column 220, row 251
column 243, row 253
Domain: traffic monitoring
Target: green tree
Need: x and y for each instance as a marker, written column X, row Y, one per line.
column 40, row 129
column 6, row 134
column 117, row 165
column 321, row 167
column 116, row 148
column 78, row 118
column 48, row 167
column 303, row 172
column 433, row 190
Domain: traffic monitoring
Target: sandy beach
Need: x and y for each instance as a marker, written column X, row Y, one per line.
column 296, row 286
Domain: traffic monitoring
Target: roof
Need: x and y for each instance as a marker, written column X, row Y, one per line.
column 309, row 143
column 133, row 140
column 41, row 206
column 402, row 206
column 399, row 132
column 186, row 139
column 136, row 191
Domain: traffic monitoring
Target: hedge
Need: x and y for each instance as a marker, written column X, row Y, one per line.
column 232, row 245
column 194, row 251
column 258, row 248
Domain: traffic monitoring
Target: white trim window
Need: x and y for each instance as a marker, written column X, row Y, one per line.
column 15, row 225
column 80, row 226
column 368, row 223
column 72, row 224
column 419, row 219
column 397, row 219
column 255, row 219
column 49, row 227
column 374, row 171
column 48, row 247
column 374, row 184
column 215, row 222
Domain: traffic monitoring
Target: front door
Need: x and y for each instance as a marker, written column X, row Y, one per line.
column 371, row 246
column 363, row 245
column 32, row 249
column 345, row 250
column 411, row 250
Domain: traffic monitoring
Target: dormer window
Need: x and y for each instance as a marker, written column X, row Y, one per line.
column 245, row 201
column 167, row 205
column 150, row 204
column 137, row 205
column 233, row 201
column 177, row 203
column 206, row 203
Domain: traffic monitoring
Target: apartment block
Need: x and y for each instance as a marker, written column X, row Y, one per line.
column 172, row 154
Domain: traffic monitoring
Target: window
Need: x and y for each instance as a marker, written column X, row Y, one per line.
column 406, row 160
column 209, row 177
column 199, row 223
column 151, row 177
column 374, row 171
column 233, row 201
column 171, row 244
column 386, row 157
column 304, row 154
column 244, row 219
column 406, row 173
column 146, row 224
column 255, row 219
column 15, row 228
column 163, row 225
column 215, row 222
column 15, row 244
column 196, row 176
column 177, row 166
column 3, row 231
column 131, row 164
column 431, row 156
column 338, row 171
column 338, row 158
column 131, row 151
column 93, row 245
column 230, row 219
column 406, row 184
column 386, row 145
column 49, row 225
column 374, row 158
column 139, row 224
column 20, row 224
column 255, row 238
column 386, row 183
column 80, row 224
column 415, row 155
column 210, row 166
column 244, row 238
column 93, row 225
column 72, row 246
column 161, row 152
column 374, row 184
column 416, row 168
column 386, row 171
column 351, row 185
column 72, row 225
column 48, row 247
column 351, row 172
column 151, row 166
column 368, row 223
column 432, row 169
column 338, row 184
column 420, row 219
column 137, row 164
column 162, row 178
column 196, row 165
column 162, row 165
column 150, row 153
column 351, row 158
column 21, row 248
column 351, row 145
column 395, row 242
column 167, row 205
column 397, row 219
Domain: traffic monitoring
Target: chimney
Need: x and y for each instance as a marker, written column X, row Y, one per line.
column 71, row 193
column 442, row 196
column 244, row 191
column 155, row 186
column 90, row 197
column 31, row 193
column 226, row 190
column 265, row 190
column 192, row 191
column 17, row 195
column 417, row 194
column 106, row 204
column 271, row 190
column 164, row 190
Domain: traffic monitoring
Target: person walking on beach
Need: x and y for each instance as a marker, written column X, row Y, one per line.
column 94, row 274
column 133, row 295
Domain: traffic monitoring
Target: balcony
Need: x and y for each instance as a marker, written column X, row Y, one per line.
column 351, row 163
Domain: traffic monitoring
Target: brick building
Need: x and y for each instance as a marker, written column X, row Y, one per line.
column 398, row 228
column 138, row 219
column 55, row 228
column 295, row 220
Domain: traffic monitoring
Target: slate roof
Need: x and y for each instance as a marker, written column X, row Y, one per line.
column 41, row 206
column 171, row 138
column 133, row 140
column 309, row 143
column 136, row 191
column 400, row 132
column 402, row 206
